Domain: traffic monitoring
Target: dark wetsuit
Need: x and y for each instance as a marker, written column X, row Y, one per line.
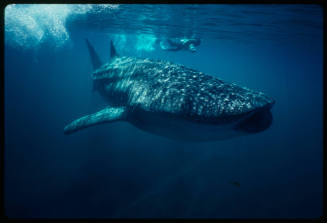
column 180, row 44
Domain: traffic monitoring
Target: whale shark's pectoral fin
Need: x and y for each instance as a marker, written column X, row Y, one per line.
column 109, row 114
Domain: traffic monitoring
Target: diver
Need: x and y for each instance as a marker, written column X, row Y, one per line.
column 176, row 44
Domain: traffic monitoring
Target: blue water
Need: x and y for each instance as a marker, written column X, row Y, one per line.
column 118, row 171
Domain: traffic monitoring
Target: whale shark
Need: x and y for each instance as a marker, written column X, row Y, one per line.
column 172, row 100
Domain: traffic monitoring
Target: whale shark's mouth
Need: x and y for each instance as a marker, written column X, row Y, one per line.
column 257, row 121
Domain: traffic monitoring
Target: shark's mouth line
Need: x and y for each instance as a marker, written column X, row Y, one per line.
column 256, row 121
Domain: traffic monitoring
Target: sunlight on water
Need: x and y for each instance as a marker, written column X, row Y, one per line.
column 31, row 25
column 120, row 41
column 138, row 42
column 145, row 42
column 28, row 25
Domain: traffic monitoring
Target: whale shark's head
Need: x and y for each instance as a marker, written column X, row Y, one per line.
column 240, row 114
column 245, row 111
column 254, row 112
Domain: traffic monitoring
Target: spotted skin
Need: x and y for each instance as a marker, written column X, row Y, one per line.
column 164, row 87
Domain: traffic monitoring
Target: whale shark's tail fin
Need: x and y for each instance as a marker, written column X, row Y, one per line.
column 113, row 52
column 96, row 62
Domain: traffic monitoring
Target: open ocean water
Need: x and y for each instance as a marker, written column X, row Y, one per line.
column 118, row 171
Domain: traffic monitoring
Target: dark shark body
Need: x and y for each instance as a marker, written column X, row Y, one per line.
column 175, row 101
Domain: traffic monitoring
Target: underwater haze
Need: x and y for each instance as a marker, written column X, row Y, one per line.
column 116, row 170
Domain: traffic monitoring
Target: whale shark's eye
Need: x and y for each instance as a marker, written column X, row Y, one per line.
column 257, row 122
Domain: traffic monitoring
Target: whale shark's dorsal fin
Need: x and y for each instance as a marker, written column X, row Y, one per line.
column 113, row 52
column 96, row 62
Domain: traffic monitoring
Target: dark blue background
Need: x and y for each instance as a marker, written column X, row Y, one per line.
column 116, row 170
